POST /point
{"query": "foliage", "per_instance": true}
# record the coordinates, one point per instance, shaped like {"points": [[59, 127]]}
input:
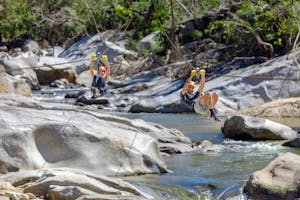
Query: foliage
{"points": [[16, 19], [196, 34], [275, 22]]}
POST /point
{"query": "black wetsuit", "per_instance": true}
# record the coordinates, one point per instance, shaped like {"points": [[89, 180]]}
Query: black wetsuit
{"points": [[190, 99], [98, 82]]}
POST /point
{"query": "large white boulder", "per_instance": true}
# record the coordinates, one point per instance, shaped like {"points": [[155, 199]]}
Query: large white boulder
{"points": [[253, 128], [67, 184], [49, 135], [23, 66], [279, 180]]}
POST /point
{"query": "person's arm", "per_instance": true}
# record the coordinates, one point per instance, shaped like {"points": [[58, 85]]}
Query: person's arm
{"points": [[107, 65], [183, 91], [202, 81], [92, 72], [193, 73]]}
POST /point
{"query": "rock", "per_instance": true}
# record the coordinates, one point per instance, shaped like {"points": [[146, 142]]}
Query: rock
{"points": [[52, 68], [86, 99], [7, 186], [177, 107], [84, 79], [30, 45], [10, 84], [147, 42], [47, 91], [71, 184], [252, 128], [3, 48], [75, 94], [280, 179], [22, 66], [61, 139], [287, 107], [60, 83], [293, 143]]}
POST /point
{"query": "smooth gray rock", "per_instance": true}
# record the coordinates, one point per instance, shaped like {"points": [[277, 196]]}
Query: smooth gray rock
{"points": [[22, 66], [30, 45], [71, 184], [36, 134], [293, 143], [279, 180], [253, 128]]}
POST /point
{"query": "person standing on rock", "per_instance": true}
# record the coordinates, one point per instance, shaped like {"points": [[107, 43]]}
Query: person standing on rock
{"points": [[207, 101], [102, 75]]}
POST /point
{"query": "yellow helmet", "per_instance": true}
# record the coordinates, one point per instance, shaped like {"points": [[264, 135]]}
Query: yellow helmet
{"points": [[192, 83]]}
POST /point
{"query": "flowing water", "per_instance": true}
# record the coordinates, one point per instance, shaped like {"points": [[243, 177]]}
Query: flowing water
{"points": [[207, 175], [202, 175]]}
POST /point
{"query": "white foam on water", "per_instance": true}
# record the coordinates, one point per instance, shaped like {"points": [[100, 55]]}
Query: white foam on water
{"points": [[254, 146]]}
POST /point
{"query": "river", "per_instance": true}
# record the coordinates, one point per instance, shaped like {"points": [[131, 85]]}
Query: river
{"points": [[207, 175], [202, 175]]}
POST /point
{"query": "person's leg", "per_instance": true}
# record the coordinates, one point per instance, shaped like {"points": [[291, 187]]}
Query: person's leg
{"points": [[206, 100], [94, 92], [210, 101], [214, 98]]}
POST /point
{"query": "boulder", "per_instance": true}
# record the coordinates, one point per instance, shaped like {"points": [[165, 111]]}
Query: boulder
{"points": [[252, 128], [30, 45], [86, 99], [68, 136], [293, 143], [286, 107], [80, 52], [84, 79], [70, 184], [10, 84], [22, 66], [52, 68], [59, 83], [74, 94], [280, 179]]}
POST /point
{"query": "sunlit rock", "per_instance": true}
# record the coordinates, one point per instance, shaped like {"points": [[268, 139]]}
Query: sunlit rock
{"points": [[252, 128]]}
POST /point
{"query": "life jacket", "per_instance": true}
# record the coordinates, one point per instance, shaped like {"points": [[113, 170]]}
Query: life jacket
{"points": [[98, 81], [190, 99]]}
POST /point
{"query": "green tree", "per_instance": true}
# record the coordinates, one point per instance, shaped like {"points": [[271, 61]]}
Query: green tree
{"points": [[273, 25], [16, 19]]}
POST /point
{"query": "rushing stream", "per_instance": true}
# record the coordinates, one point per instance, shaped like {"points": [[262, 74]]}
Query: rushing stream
{"points": [[199, 175], [207, 175]]}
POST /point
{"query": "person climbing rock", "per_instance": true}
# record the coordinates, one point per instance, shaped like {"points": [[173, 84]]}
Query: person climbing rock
{"points": [[199, 101]]}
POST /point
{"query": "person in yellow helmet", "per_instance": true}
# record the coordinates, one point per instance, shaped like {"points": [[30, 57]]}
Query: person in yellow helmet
{"points": [[101, 76], [199, 101]]}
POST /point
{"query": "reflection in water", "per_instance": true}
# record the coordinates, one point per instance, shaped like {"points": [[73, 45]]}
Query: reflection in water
{"points": [[206, 175]]}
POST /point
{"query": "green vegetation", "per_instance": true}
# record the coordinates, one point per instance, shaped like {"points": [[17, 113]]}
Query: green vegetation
{"points": [[264, 26], [253, 27]]}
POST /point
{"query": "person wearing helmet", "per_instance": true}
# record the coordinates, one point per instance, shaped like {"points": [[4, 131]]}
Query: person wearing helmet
{"points": [[199, 101], [101, 76]]}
